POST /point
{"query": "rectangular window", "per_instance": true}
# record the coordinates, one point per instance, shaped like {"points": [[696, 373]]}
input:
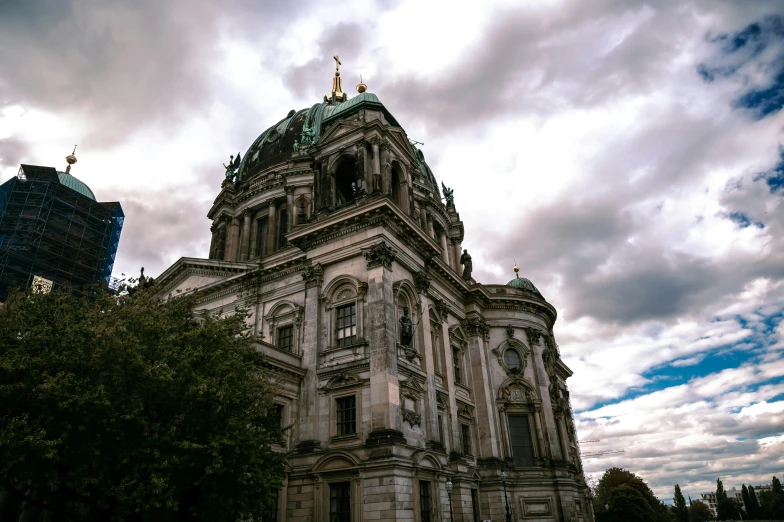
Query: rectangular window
{"points": [[340, 502], [522, 446], [346, 324], [441, 429], [346, 415], [286, 338], [475, 504], [465, 435], [456, 365], [424, 501]]}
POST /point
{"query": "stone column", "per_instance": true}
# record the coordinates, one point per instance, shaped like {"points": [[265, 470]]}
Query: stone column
{"points": [[422, 282], [543, 383], [384, 382], [213, 240], [536, 413], [456, 253], [430, 229], [272, 225], [478, 331], [451, 428], [376, 167], [245, 235], [423, 217], [232, 246], [444, 249], [220, 249], [289, 208], [307, 435], [254, 234]]}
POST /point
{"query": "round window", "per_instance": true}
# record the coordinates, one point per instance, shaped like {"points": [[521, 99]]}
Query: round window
{"points": [[512, 359]]}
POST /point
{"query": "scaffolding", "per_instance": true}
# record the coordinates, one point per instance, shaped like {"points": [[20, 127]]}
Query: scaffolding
{"points": [[53, 232]]}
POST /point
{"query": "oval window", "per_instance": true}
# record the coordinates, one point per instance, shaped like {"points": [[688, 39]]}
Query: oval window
{"points": [[512, 359]]}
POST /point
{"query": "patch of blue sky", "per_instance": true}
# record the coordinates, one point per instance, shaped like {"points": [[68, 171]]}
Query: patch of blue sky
{"points": [[702, 364]]}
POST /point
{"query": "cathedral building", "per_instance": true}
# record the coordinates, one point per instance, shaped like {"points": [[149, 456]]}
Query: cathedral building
{"points": [[412, 391]]}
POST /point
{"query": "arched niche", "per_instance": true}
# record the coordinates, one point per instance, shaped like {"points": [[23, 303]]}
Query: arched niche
{"points": [[344, 171], [406, 299]]}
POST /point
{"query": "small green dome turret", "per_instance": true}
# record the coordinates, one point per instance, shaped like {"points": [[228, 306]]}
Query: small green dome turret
{"points": [[524, 284]]}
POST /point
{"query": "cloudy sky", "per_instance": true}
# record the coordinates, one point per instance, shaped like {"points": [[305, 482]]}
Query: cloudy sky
{"points": [[628, 155]]}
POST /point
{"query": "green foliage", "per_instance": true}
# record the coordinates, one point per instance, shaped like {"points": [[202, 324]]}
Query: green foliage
{"points": [[130, 405], [613, 499], [680, 510], [754, 507], [772, 502], [726, 509], [699, 512]]}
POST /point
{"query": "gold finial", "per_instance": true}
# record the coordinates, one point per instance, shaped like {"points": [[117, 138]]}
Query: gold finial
{"points": [[361, 87], [337, 83], [516, 269], [71, 159]]}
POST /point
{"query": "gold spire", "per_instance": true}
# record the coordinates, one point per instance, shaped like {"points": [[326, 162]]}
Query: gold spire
{"points": [[516, 269], [337, 84], [71, 159]]}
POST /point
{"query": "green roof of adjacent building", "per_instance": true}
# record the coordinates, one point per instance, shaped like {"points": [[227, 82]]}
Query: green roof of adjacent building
{"points": [[74, 184]]}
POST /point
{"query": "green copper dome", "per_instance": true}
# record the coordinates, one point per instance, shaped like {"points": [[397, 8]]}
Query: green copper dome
{"points": [[525, 285], [74, 184]]}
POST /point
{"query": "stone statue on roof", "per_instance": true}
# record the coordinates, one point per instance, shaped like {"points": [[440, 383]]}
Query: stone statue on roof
{"points": [[468, 265], [308, 135], [449, 195]]}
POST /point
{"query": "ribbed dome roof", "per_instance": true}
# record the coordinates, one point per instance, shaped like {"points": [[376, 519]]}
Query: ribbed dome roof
{"points": [[276, 144], [74, 184], [526, 285]]}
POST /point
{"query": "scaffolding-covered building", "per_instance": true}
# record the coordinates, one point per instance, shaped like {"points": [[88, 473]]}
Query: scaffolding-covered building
{"points": [[53, 231]]}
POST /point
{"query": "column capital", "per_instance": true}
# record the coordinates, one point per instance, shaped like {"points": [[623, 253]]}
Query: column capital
{"points": [[422, 281], [313, 275], [380, 254], [476, 327]]}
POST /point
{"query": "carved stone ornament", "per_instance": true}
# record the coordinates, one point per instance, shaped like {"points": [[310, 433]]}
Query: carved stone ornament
{"points": [[533, 334], [422, 281], [476, 328], [465, 411], [411, 354], [517, 392], [442, 309], [413, 418], [379, 254], [509, 331], [313, 274]]}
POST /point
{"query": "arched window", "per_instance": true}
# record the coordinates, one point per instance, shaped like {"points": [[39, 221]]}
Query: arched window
{"points": [[395, 182], [345, 181]]}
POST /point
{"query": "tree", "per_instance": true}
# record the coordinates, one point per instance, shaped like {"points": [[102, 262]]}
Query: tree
{"points": [[726, 509], [754, 504], [128, 406], [680, 510], [772, 502], [746, 500], [605, 497], [699, 512]]}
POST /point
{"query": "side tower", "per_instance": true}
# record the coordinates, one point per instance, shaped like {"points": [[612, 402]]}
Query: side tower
{"points": [[53, 231], [409, 386]]}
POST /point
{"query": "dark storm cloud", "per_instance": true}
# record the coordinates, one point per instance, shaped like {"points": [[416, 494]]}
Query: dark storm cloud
{"points": [[312, 80], [12, 150], [757, 49], [159, 228], [123, 65]]}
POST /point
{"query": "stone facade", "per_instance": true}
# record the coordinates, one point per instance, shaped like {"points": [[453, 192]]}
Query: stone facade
{"points": [[325, 244]]}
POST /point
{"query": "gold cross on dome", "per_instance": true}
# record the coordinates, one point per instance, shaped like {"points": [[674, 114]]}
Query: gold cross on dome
{"points": [[337, 62]]}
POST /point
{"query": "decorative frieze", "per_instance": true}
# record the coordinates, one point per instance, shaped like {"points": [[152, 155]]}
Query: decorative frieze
{"points": [[380, 254]]}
